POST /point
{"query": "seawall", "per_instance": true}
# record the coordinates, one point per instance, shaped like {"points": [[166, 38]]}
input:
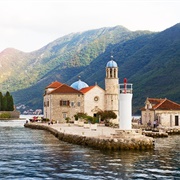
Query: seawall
{"points": [[13, 114], [129, 142]]}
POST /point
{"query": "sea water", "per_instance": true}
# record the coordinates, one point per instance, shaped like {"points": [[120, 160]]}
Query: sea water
{"points": [[36, 154]]}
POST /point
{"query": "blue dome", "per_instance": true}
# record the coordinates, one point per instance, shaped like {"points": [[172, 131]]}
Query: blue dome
{"points": [[79, 85], [112, 64]]}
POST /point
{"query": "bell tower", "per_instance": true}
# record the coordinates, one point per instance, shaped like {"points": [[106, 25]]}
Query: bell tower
{"points": [[111, 87]]}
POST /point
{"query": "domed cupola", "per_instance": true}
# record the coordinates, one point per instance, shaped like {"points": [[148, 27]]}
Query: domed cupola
{"points": [[79, 85], [111, 63], [111, 69]]}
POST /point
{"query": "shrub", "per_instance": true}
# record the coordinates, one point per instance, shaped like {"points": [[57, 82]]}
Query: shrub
{"points": [[5, 115], [45, 120], [91, 119], [107, 115], [80, 116], [68, 119]]}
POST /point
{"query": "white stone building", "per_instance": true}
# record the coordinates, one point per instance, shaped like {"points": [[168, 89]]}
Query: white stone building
{"points": [[62, 101], [165, 112]]}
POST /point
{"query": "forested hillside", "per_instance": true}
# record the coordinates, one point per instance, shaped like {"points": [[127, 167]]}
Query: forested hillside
{"points": [[151, 61]]}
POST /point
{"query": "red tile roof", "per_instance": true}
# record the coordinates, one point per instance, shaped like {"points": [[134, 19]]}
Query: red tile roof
{"points": [[84, 90], [65, 89], [54, 85], [163, 104]]}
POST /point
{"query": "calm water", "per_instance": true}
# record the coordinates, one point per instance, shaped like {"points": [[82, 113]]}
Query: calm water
{"points": [[36, 154]]}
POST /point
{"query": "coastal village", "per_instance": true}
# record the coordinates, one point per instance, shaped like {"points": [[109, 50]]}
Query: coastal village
{"points": [[63, 104]]}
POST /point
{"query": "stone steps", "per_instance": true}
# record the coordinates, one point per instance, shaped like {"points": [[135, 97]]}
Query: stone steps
{"points": [[126, 134]]}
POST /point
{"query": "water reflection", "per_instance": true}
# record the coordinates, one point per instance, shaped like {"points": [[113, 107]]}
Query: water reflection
{"points": [[36, 154]]}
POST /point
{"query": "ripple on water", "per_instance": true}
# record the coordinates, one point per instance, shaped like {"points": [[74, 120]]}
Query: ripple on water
{"points": [[35, 154]]}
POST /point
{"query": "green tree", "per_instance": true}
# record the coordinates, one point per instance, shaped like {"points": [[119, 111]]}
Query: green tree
{"points": [[4, 103], [1, 99], [80, 115], [10, 103], [107, 115], [91, 119]]}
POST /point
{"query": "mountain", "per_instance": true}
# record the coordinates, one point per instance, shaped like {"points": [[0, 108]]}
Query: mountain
{"points": [[148, 60], [20, 70]]}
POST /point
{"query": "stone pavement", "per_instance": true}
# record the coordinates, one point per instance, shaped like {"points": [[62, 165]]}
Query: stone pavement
{"points": [[99, 131]]}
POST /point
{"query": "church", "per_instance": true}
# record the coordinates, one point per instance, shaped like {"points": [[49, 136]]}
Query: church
{"points": [[62, 101]]}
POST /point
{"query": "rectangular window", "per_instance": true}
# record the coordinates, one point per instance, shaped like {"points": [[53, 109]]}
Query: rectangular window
{"points": [[176, 120], [72, 104], [64, 103], [78, 103], [64, 115]]}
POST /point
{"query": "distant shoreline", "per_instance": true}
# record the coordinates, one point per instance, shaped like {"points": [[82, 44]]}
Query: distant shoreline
{"points": [[1, 119]]}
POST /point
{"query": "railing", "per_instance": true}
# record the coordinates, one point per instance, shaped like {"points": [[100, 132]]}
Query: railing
{"points": [[125, 88]]}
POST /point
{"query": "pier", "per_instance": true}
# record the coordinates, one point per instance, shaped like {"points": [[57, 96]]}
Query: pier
{"points": [[103, 138]]}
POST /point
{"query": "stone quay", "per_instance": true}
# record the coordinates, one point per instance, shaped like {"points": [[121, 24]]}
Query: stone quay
{"points": [[99, 137]]}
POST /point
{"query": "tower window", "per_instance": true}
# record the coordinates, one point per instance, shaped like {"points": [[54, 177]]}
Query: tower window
{"points": [[111, 73]]}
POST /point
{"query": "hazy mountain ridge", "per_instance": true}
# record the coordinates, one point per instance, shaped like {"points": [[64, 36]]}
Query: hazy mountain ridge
{"points": [[143, 57], [74, 50]]}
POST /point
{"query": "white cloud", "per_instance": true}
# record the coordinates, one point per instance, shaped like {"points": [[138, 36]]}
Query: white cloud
{"points": [[30, 24]]}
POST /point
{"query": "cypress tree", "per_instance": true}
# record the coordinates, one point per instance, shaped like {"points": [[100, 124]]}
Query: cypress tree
{"points": [[4, 103], [10, 103], [1, 98]]}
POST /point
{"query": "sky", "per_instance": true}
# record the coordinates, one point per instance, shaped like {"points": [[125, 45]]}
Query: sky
{"points": [[28, 25]]}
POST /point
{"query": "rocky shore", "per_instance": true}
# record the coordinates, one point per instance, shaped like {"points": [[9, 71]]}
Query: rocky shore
{"points": [[172, 131], [103, 138], [155, 134], [161, 132]]}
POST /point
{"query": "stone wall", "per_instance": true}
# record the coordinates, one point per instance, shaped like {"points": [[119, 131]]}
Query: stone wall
{"points": [[14, 114], [59, 113], [166, 118], [147, 116], [94, 101]]}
